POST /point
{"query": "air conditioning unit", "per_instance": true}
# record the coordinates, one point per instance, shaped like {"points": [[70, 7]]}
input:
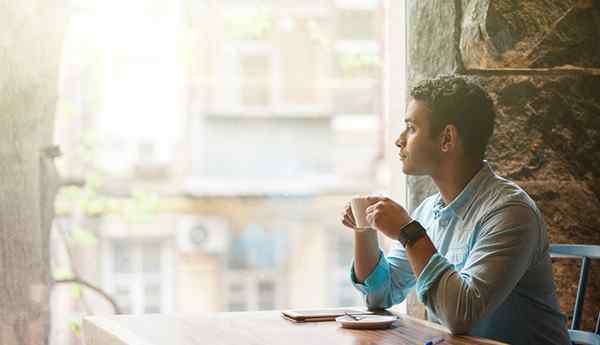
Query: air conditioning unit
{"points": [[207, 235]]}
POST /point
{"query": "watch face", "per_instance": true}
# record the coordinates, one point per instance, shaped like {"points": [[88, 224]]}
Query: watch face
{"points": [[411, 232]]}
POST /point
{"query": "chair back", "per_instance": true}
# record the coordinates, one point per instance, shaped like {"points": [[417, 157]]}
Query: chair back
{"points": [[586, 253]]}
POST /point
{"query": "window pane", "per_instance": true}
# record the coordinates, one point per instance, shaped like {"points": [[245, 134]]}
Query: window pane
{"points": [[300, 60], [152, 298], [122, 297], [122, 258], [237, 306], [151, 257], [266, 295], [255, 76], [237, 297]]}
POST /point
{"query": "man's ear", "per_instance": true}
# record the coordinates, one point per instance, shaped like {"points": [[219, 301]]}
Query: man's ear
{"points": [[449, 138]]}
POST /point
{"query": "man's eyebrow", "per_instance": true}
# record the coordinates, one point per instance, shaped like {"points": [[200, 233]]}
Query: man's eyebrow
{"points": [[407, 120]]}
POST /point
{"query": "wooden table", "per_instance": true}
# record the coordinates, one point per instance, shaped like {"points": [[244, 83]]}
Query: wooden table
{"points": [[255, 328]]}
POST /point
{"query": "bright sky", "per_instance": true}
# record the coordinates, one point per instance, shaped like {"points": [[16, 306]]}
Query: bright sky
{"points": [[142, 78]]}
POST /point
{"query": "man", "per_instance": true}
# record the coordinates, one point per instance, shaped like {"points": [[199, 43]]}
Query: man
{"points": [[477, 251]]}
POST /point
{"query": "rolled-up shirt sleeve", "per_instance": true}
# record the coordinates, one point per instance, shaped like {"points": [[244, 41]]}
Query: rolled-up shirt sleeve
{"points": [[389, 282], [503, 251], [435, 267]]}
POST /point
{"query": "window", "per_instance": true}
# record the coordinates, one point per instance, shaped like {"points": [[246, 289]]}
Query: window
{"points": [[301, 62], [255, 276], [266, 117], [244, 79], [268, 64], [137, 274], [357, 69], [255, 80], [254, 290], [356, 24], [266, 294]]}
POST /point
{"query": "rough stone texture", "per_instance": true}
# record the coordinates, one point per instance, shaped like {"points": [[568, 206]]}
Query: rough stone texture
{"points": [[530, 33], [548, 126], [546, 139], [431, 39], [431, 51]]}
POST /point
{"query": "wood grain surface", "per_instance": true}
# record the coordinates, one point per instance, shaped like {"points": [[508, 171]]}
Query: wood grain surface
{"points": [[256, 328]]}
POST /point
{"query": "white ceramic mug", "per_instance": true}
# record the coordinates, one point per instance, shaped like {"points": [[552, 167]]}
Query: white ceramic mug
{"points": [[359, 206]]}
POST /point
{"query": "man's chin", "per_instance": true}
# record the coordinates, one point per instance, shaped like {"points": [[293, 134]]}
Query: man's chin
{"points": [[408, 170]]}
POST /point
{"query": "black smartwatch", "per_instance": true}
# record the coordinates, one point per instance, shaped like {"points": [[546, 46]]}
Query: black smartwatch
{"points": [[411, 232]]}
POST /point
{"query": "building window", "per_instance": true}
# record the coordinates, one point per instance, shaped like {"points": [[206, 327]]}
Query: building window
{"points": [[244, 79], [301, 63], [356, 24], [137, 275], [255, 73], [266, 294], [254, 272], [254, 290]]}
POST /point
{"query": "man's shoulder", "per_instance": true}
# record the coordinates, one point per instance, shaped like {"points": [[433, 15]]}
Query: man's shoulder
{"points": [[500, 193]]}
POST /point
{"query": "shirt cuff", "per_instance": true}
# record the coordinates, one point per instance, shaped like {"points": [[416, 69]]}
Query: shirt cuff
{"points": [[376, 279], [435, 267]]}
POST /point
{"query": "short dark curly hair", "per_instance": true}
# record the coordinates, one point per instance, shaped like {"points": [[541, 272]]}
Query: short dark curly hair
{"points": [[462, 103]]}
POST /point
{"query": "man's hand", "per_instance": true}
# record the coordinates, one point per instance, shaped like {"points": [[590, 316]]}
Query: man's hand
{"points": [[388, 217], [347, 218]]}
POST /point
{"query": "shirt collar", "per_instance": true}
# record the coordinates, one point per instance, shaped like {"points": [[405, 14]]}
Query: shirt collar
{"points": [[461, 203]]}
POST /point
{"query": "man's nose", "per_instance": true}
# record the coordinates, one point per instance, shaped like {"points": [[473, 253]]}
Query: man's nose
{"points": [[400, 142]]}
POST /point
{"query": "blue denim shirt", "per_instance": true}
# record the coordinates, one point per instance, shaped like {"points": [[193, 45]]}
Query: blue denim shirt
{"points": [[491, 275]]}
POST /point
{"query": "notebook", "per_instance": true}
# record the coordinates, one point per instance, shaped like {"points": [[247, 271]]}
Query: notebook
{"points": [[327, 314]]}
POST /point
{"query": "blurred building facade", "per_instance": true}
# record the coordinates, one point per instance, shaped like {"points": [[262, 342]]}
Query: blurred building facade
{"points": [[274, 122]]}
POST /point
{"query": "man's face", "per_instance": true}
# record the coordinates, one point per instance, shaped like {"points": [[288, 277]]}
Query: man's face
{"points": [[419, 150]]}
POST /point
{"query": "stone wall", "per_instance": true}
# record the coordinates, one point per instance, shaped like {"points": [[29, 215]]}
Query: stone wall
{"points": [[540, 62]]}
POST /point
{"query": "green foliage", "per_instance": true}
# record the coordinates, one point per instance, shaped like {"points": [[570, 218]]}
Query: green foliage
{"points": [[358, 64], [84, 198], [61, 274], [75, 327], [140, 205], [76, 291], [83, 236]]}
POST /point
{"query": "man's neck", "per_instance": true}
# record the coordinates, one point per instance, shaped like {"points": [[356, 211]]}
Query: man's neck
{"points": [[454, 176]]}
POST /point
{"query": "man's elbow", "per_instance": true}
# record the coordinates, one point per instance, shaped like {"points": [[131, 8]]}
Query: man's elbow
{"points": [[377, 302], [458, 327]]}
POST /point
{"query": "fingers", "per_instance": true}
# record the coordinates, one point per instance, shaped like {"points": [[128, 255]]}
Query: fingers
{"points": [[347, 218], [348, 211], [374, 207], [348, 224]]}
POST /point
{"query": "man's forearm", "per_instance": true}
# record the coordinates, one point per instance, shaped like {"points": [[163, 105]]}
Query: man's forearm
{"points": [[366, 253], [419, 254]]}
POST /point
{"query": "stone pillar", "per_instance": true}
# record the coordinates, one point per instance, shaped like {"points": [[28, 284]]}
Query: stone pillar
{"points": [[432, 36], [540, 62]]}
